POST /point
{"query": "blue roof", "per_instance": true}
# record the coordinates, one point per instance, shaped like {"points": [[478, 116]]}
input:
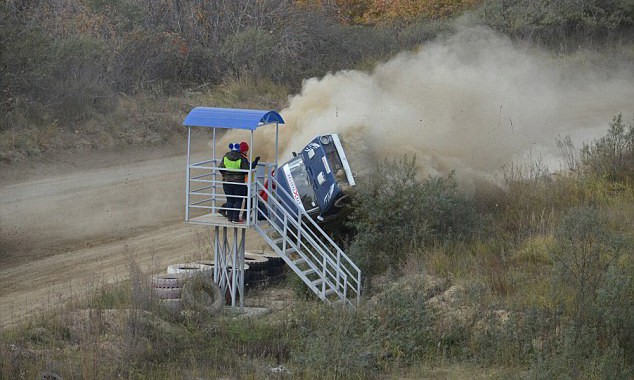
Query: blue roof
{"points": [[231, 118]]}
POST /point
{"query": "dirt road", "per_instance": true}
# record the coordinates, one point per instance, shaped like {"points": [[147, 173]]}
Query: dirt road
{"points": [[74, 223]]}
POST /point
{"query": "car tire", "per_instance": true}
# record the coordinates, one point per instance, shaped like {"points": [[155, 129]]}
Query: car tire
{"points": [[275, 260], [189, 269], [256, 261], [341, 202], [201, 294], [170, 280], [167, 293]]}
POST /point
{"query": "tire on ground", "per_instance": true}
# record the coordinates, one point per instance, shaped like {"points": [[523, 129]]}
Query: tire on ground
{"points": [[167, 293], [256, 261], [339, 203], [201, 294], [189, 269], [170, 280], [206, 265], [273, 258]]}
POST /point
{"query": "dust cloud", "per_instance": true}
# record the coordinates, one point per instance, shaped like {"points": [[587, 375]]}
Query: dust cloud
{"points": [[470, 102]]}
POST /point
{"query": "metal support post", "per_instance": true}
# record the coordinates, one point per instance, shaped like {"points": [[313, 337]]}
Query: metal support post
{"points": [[229, 263], [187, 190]]}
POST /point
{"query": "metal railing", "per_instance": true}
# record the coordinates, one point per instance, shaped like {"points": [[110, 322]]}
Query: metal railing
{"points": [[205, 193], [300, 241], [305, 247]]}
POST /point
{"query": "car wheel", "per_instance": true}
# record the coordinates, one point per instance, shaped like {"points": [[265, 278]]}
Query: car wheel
{"points": [[339, 203], [202, 294]]}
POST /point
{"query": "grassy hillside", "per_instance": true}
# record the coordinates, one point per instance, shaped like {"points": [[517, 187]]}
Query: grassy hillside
{"points": [[88, 74]]}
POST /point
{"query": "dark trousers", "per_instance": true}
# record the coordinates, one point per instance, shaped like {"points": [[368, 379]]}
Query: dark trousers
{"points": [[234, 192]]}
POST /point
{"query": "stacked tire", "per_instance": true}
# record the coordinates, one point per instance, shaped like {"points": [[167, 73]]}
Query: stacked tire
{"points": [[258, 267], [191, 269], [275, 269], [168, 288], [189, 286], [201, 294]]}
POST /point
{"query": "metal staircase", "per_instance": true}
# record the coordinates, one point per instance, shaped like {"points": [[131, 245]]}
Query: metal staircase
{"points": [[304, 246]]}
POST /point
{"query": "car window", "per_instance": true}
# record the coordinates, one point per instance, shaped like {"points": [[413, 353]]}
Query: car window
{"points": [[304, 188], [333, 157]]}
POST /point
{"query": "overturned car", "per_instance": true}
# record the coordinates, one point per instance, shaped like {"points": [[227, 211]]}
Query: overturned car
{"points": [[317, 179]]}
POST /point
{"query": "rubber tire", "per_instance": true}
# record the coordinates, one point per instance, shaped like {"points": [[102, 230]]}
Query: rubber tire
{"points": [[256, 261], [170, 280], [274, 259], [256, 277], [188, 269], [339, 203], [274, 271], [201, 294], [167, 293], [206, 264]]}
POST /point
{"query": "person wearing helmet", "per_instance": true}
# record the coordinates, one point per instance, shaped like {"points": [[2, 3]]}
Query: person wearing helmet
{"points": [[233, 168], [244, 149]]}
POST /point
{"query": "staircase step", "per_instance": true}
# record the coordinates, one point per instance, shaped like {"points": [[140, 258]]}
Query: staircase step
{"points": [[299, 261], [329, 292], [307, 253], [268, 230], [279, 241]]}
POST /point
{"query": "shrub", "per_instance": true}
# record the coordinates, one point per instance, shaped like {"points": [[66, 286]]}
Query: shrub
{"points": [[392, 329], [612, 156], [592, 337], [586, 249], [400, 323], [149, 61], [394, 212], [330, 343], [250, 52], [534, 198], [564, 24]]}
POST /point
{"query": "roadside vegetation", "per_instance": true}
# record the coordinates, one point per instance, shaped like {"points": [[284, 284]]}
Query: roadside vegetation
{"points": [[94, 74]]}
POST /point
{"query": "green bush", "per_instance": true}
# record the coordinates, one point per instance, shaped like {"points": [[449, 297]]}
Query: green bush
{"points": [[400, 324], [393, 329], [395, 212], [612, 156], [586, 250], [592, 335], [564, 24], [534, 199], [251, 52], [330, 343]]}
